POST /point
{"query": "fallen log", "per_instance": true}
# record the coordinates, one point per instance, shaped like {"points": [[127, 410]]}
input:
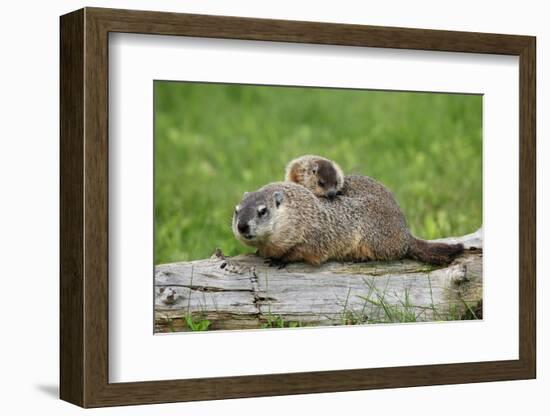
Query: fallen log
{"points": [[243, 292]]}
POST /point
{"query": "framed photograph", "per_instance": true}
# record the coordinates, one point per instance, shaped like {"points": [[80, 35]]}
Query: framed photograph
{"points": [[254, 207]]}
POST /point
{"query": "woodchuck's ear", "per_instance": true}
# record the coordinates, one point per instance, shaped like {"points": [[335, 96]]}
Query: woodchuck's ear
{"points": [[245, 194], [278, 197]]}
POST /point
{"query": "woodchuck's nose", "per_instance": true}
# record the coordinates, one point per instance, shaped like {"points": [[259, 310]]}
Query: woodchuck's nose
{"points": [[242, 227]]}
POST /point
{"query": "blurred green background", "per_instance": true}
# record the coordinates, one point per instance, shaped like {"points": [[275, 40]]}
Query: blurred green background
{"points": [[215, 141]]}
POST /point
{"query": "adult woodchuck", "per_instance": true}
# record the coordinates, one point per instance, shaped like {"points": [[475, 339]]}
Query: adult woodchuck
{"points": [[287, 222]]}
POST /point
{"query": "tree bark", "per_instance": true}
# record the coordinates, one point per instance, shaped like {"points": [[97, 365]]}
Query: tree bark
{"points": [[243, 292]]}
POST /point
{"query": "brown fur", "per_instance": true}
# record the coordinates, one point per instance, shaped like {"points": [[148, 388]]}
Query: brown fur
{"points": [[434, 253]]}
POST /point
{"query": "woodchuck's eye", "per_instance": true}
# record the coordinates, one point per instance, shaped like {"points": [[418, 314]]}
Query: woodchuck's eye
{"points": [[321, 183], [262, 210], [237, 209]]}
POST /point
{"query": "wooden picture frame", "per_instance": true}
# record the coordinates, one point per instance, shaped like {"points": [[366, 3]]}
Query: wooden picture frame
{"points": [[84, 207]]}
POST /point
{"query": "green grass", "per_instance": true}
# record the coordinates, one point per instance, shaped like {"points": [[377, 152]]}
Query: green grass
{"points": [[196, 325], [214, 142]]}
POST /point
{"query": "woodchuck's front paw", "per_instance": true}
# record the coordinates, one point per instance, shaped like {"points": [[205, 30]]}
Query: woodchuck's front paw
{"points": [[279, 263]]}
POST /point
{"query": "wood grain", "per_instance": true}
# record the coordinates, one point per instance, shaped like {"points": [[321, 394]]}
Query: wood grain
{"points": [[72, 367], [84, 279]]}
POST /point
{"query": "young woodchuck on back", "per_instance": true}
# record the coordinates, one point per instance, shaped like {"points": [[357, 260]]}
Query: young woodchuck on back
{"points": [[325, 178], [287, 222], [321, 176]]}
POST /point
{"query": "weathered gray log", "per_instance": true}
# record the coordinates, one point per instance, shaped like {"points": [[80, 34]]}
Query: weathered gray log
{"points": [[243, 292]]}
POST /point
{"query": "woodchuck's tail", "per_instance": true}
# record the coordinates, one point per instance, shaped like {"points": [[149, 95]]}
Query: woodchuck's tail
{"points": [[434, 253]]}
